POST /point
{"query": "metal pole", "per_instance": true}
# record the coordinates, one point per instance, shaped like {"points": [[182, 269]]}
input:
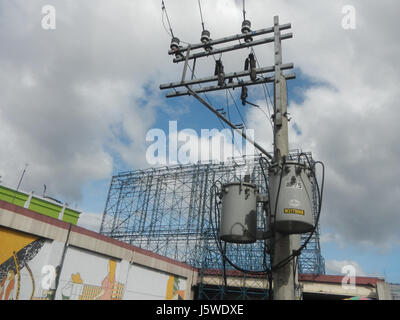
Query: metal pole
{"points": [[19, 183], [284, 277]]}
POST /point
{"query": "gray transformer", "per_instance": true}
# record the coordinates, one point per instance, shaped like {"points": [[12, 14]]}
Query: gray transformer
{"points": [[292, 214], [239, 213]]}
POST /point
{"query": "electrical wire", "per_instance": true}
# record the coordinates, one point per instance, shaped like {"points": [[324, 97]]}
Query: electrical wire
{"points": [[165, 27], [164, 10], [233, 99], [261, 109], [295, 268], [165, 13], [270, 292], [201, 15], [237, 109], [205, 95], [224, 265], [229, 118], [265, 90], [229, 114], [264, 84]]}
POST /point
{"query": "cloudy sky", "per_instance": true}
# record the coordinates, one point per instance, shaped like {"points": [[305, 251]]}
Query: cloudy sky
{"points": [[77, 101]]}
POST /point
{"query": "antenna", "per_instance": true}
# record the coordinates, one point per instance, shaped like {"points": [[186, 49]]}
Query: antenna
{"points": [[19, 183]]}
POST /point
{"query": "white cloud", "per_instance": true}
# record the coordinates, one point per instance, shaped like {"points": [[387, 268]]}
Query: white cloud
{"points": [[91, 221], [348, 116], [75, 98]]}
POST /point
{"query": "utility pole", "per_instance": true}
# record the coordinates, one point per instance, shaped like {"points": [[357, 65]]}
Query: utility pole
{"points": [[284, 278], [283, 244]]}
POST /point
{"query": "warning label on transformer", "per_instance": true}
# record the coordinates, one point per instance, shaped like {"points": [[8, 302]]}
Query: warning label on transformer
{"points": [[293, 211], [294, 184]]}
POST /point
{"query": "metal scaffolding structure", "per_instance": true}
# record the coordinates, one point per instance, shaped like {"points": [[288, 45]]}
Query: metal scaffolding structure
{"points": [[168, 211]]}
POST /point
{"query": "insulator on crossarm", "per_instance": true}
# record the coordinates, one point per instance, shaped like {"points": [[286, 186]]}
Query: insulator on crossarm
{"points": [[246, 64], [253, 74], [219, 71], [243, 95], [174, 43], [205, 36], [246, 28], [175, 47], [205, 39]]}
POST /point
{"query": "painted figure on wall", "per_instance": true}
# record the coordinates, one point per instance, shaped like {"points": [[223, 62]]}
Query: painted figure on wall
{"points": [[17, 249], [110, 289], [7, 286], [173, 289]]}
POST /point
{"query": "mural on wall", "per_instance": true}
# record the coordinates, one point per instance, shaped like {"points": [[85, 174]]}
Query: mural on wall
{"points": [[16, 251], [150, 284], [109, 289], [85, 275], [174, 291]]}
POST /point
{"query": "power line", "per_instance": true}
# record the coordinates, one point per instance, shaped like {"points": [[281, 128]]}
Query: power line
{"points": [[201, 15], [229, 118], [266, 92], [169, 32], [237, 108], [164, 10], [205, 95], [264, 85], [233, 99]]}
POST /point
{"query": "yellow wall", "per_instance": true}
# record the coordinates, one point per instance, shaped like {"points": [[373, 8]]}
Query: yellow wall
{"points": [[12, 241]]}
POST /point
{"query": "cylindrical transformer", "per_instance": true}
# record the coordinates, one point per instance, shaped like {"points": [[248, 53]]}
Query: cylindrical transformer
{"points": [[291, 198], [239, 213]]}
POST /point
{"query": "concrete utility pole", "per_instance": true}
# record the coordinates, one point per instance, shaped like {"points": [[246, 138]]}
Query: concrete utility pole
{"points": [[284, 278]]}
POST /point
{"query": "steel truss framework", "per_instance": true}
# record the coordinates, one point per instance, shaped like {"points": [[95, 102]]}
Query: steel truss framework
{"points": [[168, 211]]}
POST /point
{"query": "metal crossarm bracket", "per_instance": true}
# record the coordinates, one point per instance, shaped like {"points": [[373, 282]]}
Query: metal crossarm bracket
{"points": [[235, 47], [228, 76], [229, 85], [231, 38]]}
